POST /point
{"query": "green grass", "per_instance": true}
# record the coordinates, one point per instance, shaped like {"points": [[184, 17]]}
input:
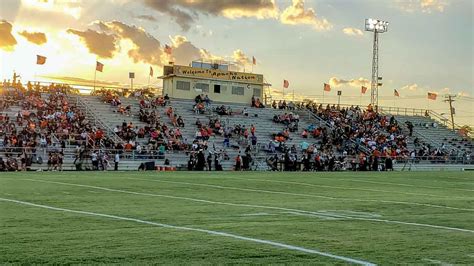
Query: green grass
{"points": [[382, 218]]}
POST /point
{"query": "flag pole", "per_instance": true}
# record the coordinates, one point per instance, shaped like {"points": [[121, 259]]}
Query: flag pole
{"points": [[148, 81], [360, 98], [95, 75]]}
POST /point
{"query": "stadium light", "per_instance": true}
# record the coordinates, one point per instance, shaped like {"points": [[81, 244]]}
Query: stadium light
{"points": [[376, 26]]}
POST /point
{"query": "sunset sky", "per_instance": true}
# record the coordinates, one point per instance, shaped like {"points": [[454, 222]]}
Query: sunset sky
{"points": [[428, 47]]}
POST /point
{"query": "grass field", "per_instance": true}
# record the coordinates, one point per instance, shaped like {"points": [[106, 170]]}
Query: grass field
{"points": [[224, 218]]}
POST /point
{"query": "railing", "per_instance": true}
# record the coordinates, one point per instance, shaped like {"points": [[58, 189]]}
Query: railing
{"points": [[402, 111], [328, 125], [97, 122]]}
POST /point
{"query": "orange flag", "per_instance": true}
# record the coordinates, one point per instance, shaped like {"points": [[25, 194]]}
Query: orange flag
{"points": [[168, 49], [432, 96], [151, 71], [254, 60], [363, 90], [286, 84], [99, 66], [327, 87], [395, 93], [40, 60]]}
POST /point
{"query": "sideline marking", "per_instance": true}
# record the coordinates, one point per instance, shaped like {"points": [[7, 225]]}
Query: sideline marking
{"points": [[218, 233], [304, 195], [253, 206], [348, 188]]}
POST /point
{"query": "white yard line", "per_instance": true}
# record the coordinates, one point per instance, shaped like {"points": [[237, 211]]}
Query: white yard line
{"points": [[436, 262], [211, 232], [257, 214], [251, 206], [404, 185], [347, 188], [324, 217], [304, 195]]}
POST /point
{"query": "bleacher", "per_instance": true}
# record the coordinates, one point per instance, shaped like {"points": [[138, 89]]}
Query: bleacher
{"points": [[261, 118], [432, 132], [103, 115]]}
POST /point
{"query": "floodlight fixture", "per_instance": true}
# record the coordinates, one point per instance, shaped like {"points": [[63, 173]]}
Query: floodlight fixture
{"points": [[376, 25]]}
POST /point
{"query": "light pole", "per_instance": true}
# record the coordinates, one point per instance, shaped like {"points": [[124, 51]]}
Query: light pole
{"points": [[339, 93], [376, 26]]}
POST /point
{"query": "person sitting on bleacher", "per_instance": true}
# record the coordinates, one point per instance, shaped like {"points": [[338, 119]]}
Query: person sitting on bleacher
{"points": [[199, 108], [222, 110], [180, 121]]}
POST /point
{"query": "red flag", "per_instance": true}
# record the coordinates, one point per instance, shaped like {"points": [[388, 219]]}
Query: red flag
{"points": [[327, 87], [286, 84], [363, 90], [395, 93], [168, 49], [432, 96], [99, 66], [151, 71], [40, 60], [254, 60]]}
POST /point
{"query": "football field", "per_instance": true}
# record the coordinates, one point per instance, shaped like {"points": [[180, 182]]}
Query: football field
{"points": [[229, 217]]}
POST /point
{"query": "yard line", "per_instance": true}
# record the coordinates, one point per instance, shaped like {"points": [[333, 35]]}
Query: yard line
{"points": [[437, 262], [304, 195], [405, 185], [211, 232], [348, 188], [251, 205]]}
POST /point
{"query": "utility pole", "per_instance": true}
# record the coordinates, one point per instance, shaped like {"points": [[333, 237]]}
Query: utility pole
{"points": [[449, 99]]}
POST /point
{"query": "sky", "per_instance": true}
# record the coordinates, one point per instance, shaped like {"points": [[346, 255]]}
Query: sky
{"points": [[428, 46]]}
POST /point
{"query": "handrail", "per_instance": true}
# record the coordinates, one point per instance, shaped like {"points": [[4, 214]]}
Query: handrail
{"points": [[110, 133], [314, 116]]}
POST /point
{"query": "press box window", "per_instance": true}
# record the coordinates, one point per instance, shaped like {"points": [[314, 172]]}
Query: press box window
{"points": [[257, 92], [202, 87], [217, 88], [238, 90], [183, 85]]}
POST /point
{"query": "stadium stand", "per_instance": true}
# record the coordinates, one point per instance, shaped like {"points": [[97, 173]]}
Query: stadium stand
{"points": [[54, 128]]}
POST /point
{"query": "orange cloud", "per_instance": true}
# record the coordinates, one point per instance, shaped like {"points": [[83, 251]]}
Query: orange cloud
{"points": [[7, 41], [296, 15], [38, 38], [425, 6], [147, 48], [100, 44], [352, 32], [185, 13]]}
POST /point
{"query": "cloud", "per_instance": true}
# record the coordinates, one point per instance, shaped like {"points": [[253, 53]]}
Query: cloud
{"points": [[147, 17], [336, 82], [7, 41], [38, 38], [352, 32], [147, 48], [100, 44], [70, 8], [185, 12], [241, 58], [425, 6], [184, 52], [296, 15], [412, 87]]}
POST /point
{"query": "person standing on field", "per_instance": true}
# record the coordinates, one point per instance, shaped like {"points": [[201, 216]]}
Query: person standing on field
{"points": [[116, 161]]}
